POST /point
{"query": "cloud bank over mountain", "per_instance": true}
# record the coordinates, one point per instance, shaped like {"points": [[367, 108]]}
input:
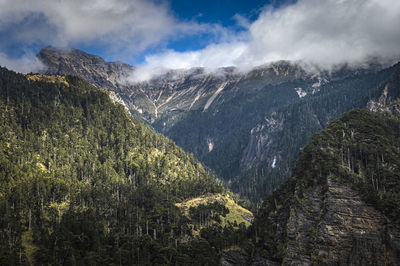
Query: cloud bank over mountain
{"points": [[124, 28], [324, 33]]}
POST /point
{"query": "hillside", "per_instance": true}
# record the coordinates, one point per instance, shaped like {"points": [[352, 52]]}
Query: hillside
{"points": [[83, 182], [341, 205], [246, 127], [284, 132]]}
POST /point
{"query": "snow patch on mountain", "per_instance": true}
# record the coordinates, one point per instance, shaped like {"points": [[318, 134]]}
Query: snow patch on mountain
{"points": [[273, 165], [210, 144], [300, 92]]}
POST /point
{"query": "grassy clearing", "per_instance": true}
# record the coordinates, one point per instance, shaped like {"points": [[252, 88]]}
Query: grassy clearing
{"points": [[237, 214]]}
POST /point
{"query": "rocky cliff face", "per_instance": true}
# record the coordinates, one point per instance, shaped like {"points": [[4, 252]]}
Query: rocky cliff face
{"points": [[247, 127], [262, 141], [340, 207], [333, 225], [169, 96], [388, 99]]}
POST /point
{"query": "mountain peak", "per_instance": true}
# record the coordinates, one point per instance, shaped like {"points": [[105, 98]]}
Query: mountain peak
{"points": [[92, 68], [67, 52]]}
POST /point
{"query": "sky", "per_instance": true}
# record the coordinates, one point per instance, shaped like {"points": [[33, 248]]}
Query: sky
{"points": [[173, 34]]}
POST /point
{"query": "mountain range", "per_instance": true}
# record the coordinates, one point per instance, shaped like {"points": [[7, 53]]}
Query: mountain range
{"points": [[84, 178], [248, 128]]}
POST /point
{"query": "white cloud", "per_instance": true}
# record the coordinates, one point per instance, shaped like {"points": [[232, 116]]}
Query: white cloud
{"points": [[325, 33], [127, 23], [124, 28], [210, 58], [25, 64]]}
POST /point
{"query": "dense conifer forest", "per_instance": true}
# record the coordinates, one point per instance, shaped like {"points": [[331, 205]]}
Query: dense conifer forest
{"points": [[361, 151], [82, 182]]}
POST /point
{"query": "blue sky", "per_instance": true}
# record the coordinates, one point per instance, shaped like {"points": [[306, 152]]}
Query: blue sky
{"points": [[219, 12], [163, 34]]}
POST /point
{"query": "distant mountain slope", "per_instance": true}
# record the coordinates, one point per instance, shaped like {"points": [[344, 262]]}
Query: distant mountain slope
{"points": [[248, 128], [82, 182], [341, 205], [275, 142]]}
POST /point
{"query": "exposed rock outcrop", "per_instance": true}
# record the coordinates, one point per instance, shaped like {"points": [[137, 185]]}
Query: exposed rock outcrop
{"points": [[341, 205], [333, 225]]}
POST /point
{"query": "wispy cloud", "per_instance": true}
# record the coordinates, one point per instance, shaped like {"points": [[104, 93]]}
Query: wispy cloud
{"points": [[123, 28], [324, 33], [130, 23], [27, 63]]}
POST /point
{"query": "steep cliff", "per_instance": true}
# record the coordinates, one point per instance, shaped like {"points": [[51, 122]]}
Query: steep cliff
{"points": [[341, 205], [276, 140]]}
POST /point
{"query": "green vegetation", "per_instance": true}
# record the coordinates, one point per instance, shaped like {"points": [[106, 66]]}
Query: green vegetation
{"points": [[82, 182], [244, 105], [361, 150], [300, 120], [208, 209], [234, 136], [47, 78]]}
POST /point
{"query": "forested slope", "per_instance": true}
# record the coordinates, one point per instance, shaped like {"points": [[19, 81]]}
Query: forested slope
{"points": [[283, 132], [82, 182], [342, 204]]}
